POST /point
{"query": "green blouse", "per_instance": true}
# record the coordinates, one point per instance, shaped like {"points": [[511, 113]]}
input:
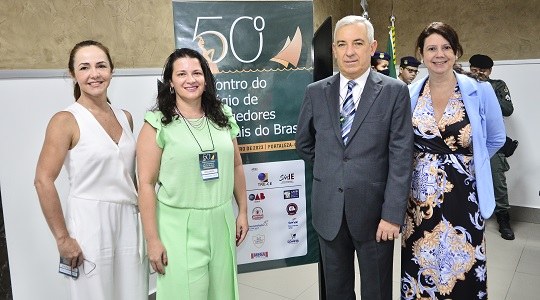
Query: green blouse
{"points": [[180, 181]]}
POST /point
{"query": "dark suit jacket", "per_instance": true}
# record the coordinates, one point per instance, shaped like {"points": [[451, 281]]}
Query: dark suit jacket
{"points": [[368, 179]]}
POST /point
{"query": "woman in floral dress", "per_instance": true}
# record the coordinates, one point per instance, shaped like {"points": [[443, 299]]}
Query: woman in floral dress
{"points": [[458, 126]]}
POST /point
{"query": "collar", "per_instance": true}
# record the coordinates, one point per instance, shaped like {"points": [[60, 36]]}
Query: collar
{"points": [[466, 84], [360, 81]]}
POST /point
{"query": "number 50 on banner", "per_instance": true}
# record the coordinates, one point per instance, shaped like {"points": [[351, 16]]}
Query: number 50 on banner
{"points": [[258, 25]]}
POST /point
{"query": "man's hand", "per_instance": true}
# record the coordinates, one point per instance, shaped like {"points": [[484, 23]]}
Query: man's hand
{"points": [[387, 231]]}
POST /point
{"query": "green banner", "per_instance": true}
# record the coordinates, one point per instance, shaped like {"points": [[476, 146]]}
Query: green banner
{"points": [[260, 53]]}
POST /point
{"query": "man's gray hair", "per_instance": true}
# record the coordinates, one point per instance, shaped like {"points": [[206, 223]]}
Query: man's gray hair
{"points": [[352, 19]]}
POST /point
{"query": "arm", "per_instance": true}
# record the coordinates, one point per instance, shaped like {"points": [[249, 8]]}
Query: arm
{"points": [[400, 154], [61, 135], [148, 164], [305, 132], [240, 196], [505, 101], [493, 122]]}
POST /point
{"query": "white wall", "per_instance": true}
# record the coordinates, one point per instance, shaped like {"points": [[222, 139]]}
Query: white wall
{"points": [[523, 125], [28, 103]]}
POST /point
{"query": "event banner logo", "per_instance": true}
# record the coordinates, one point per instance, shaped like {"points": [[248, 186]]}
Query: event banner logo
{"points": [[260, 55], [278, 223]]}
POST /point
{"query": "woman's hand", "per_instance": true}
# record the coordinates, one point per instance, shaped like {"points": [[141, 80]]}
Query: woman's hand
{"points": [[157, 255], [70, 250], [242, 228]]}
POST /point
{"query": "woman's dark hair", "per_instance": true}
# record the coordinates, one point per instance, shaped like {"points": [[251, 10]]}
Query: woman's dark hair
{"points": [[166, 101], [446, 31], [71, 67]]}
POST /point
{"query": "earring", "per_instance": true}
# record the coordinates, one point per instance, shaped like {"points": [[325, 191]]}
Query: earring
{"points": [[171, 89]]}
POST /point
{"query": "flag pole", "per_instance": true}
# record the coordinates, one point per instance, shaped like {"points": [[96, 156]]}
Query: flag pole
{"points": [[391, 45]]}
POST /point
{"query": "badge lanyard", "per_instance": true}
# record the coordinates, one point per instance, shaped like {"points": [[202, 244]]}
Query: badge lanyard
{"points": [[208, 161], [197, 141]]}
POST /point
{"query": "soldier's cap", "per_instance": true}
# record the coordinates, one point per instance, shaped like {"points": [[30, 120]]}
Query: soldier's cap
{"points": [[481, 61], [381, 55], [409, 61]]}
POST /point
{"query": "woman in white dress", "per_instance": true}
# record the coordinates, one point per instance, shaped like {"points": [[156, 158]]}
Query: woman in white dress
{"points": [[98, 238]]}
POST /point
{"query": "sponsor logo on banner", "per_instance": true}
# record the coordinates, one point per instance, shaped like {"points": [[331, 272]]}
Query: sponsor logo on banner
{"points": [[293, 239], [256, 197], [293, 223], [257, 213], [291, 194], [259, 254], [258, 240], [286, 178], [292, 208], [255, 227], [263, 179]]}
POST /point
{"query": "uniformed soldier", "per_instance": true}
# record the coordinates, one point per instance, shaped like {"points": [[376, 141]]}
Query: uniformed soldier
{"points": [[380, 62], [499, 165], [408, 69]]}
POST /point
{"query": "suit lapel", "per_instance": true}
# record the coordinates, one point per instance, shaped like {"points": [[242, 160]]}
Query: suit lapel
{"points": [[332, 100], [369, 94]]}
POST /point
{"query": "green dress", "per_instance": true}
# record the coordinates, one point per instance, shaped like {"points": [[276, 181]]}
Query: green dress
{"points": [[195, 217]]}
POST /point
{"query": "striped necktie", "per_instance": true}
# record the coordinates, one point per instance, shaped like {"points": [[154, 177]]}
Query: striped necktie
{"points": [[347, 112]]}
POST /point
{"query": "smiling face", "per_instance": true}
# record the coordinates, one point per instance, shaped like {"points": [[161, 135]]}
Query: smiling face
{"points": [[188, 79], [92, 71], [438, 55], [352, 50]]}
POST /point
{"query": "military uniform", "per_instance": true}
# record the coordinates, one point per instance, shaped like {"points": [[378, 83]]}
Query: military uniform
{"points": [[499, 165]]}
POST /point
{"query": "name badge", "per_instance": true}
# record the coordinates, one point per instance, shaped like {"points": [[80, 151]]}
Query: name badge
{"points": [[208, 163]]}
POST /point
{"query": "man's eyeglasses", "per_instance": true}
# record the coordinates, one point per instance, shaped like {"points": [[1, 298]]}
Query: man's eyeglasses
{"points": [[414, 71]]}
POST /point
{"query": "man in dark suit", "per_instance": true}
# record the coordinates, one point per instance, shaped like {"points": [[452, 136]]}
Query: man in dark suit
{"points": [[359, 138]]}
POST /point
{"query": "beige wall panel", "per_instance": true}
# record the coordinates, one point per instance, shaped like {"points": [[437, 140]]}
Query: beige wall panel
{"points": [[322, 9], [38, 34], [505, 30]]}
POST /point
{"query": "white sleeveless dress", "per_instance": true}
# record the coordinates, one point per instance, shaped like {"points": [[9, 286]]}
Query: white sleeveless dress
{"points": [[101, 211]]}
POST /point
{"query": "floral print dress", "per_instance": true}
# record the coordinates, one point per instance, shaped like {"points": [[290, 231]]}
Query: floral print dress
{"points": [[443, 245]]}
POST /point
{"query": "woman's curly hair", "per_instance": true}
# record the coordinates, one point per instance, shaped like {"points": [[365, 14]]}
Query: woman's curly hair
{"points": [[166, 101]]}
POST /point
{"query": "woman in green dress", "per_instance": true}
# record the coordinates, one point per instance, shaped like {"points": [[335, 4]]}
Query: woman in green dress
{"points": [[188, 148]]}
